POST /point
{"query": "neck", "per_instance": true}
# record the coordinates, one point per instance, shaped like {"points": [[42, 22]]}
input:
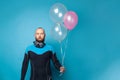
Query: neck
{"points": [[39, 44]]}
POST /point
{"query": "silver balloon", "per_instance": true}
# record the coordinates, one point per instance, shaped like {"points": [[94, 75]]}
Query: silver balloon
{"points": [[59, 32], [57, 12]]}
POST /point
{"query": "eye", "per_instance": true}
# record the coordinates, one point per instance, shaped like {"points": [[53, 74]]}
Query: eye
{"points": [[42, 33]]}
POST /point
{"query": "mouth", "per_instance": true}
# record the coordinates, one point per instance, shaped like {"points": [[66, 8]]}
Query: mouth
{"points": [[39, 37]]}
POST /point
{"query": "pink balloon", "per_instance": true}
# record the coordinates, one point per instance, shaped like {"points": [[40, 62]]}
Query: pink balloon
{"points": [[70, 20]]}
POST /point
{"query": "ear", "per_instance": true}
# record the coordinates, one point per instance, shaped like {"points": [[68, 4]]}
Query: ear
{"points": [[45, 35]]}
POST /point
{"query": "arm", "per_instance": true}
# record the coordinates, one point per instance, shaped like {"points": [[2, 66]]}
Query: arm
{"points": [[56, 61], [24, 66]]}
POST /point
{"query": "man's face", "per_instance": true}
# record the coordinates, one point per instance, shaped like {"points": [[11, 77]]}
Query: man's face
{"points": [[39, 35]]}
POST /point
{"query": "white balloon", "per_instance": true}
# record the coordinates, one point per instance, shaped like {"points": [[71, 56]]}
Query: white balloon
{"points": [[59, 32], [57, 12]]}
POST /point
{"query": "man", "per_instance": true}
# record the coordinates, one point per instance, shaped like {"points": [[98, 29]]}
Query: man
{"points": [[39, 54]]}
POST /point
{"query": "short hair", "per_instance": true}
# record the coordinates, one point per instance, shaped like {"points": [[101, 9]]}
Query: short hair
{"points": [[40, 28]]}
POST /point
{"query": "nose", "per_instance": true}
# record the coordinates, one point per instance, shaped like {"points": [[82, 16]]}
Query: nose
{"points": [[39, 35]]}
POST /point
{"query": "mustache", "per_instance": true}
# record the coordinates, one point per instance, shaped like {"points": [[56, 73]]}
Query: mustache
{"points": [[37, 39]]}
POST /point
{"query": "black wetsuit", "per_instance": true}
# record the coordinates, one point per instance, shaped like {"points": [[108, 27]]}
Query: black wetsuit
{"points": [[39, 58]]}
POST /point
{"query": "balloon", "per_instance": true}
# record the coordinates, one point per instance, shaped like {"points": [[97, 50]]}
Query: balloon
{"points": [[70, 20], [57, 12], [59, 32]]}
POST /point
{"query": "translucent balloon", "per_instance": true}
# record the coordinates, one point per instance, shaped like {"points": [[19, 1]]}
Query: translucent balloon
{"points": [[59, 32], [57, 12]]}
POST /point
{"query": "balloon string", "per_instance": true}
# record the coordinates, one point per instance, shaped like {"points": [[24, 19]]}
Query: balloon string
{"points": [[61, 51], [63, 54], [66, 42]]}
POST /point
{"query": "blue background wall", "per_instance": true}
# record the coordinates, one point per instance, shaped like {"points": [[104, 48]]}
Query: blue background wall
{"points": [[93, 49]]}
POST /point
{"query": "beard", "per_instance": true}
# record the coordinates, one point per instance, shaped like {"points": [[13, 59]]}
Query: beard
{"points": [[42, 40]]}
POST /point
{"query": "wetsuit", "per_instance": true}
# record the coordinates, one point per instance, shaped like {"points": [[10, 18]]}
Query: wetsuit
{"points": [[39, 57]]}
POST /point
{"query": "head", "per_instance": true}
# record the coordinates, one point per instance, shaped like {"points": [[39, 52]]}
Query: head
{"points": [[40, 34]]}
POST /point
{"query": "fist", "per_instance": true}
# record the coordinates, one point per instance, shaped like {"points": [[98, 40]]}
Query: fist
{"points": [[62, 69]]}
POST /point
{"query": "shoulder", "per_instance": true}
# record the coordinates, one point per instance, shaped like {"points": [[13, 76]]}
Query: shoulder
{"points": [[29, 48], [50, 47]]}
